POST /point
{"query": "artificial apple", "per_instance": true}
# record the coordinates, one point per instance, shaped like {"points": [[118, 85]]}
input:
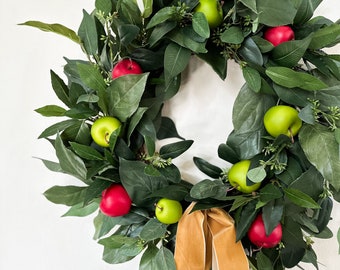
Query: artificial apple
{"points": [[282, 119], [115, 201], [126, 66], [102, 129], [279, 34], [212, 10], [237, 176], [168, 211], [257, 234]]}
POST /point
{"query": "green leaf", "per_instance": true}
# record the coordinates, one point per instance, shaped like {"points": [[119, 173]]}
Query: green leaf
{"points": [[60, 88], [289, 53], [57, 127], [257, 174], [52, 166], [147, 261], [275, 13], [226, 153], [250, 4], [208, 189], [247, 215], [263, 262], [54, 28], [189, 39], [86, 152], [81, 210], [325, 37], [164, 14], [95, 189], [290, 79], [322, 150], [305, 11], [160, 31], [174, 150], [167, 129], [338, 237], [232, 35], [51, 110], [139, 185], [294, 245], [300, 198], [165, 259], [67, 195], [88, 33], [207, 168], [127, 33], [69, 161], [200, 24], [172, 192], [104, 6], [124, 95], [251, 52], [148, 4], [272, 214], [253, 78], [135, 119], [270, 192], [152, 230], [176, 58], [91, 77]]}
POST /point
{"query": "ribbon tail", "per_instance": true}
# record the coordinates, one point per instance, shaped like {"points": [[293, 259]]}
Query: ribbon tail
{"points": [[191, 251], [227, 253]]}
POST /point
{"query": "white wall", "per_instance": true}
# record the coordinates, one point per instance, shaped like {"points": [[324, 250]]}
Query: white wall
{"points": [[32, 233]]}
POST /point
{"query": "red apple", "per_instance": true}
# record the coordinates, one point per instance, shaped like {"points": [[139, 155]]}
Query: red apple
{"points": [[257, 234], [115, 201], [279, 34], [126, 66]]}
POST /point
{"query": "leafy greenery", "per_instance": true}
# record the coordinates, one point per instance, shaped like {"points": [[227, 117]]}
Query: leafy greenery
{"points": [[299, 177]]}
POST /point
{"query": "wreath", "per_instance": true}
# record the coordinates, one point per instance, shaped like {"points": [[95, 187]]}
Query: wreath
{"points": [[261, 212]]}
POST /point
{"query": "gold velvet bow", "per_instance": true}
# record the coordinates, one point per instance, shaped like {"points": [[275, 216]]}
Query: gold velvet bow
{"points": [[206, 240]]}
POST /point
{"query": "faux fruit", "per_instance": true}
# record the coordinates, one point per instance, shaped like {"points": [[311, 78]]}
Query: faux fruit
{"points": [[168, 211], [282, 119], [102, 129], [257, 234], [212, 10], [237, 176], [126, 66], [115, 201], [279, 34]]}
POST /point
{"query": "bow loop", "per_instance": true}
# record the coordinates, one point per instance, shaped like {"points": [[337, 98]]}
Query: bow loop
{"points": [[206, 240]]}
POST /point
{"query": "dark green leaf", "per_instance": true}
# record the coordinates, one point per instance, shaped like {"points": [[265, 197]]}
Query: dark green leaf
{"points": [[67, 195], [127, 33], [208, 189], [272, 214], [263, 262], [95, 189], [172, 192], [226, 153], [54, 28], [167, 129], [164, 14], [104, 6], [207, 168], [174, 150], [251, 53], [248, 214]]}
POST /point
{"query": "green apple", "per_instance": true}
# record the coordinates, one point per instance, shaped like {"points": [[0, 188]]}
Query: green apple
{"points": [[102, 129], [212, 10], [168, 211], [282, 119], [237, 176]]}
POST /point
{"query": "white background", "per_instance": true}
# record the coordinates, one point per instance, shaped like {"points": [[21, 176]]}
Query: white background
{"points": [[32, 233]]}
